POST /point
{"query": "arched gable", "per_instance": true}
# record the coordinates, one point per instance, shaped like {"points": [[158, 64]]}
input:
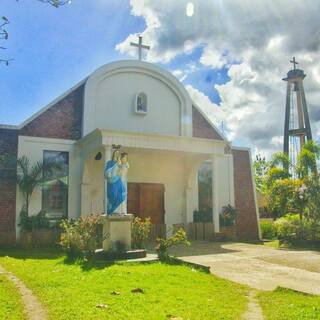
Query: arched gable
{"points": [[110, 95]]}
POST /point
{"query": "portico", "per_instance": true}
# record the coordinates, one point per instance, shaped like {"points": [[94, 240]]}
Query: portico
{"points": [[172, 161]]}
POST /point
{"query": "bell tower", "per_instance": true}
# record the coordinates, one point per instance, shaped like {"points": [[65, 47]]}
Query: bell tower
{"points": [[297, 128]]}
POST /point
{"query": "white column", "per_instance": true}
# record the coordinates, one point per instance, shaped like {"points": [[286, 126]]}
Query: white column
{"points": [[215, 195], [107, 155]]}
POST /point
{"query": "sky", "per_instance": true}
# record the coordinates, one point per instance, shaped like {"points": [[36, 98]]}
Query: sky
{"points": [[231, 55]]}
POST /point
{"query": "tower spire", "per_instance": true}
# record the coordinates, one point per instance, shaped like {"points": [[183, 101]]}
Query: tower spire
{"points": [[297, 129]]}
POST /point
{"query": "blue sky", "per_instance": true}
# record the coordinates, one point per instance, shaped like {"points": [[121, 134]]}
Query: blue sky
{"points": [[231, 55], [53, 49]]}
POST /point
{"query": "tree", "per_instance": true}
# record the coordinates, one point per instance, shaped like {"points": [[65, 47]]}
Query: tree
{"points": [[29, 177], [260, 167], [4, 35], [307, 160]]}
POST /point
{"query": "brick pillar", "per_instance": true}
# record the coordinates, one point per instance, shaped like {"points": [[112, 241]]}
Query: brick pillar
{"points": [[8, 167], [247, 226]]}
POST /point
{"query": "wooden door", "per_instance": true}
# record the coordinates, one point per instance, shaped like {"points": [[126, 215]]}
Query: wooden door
{"points": [[147, 200]]}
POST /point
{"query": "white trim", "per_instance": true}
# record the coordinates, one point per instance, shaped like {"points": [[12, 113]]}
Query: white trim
{"points": [[46, 140], [98, 138], [241, 149], [222, 136]]}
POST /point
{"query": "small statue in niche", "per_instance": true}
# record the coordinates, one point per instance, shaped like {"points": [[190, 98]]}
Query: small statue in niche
{"points": [[141, 103]]}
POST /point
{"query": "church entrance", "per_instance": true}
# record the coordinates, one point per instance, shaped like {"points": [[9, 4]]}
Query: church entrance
{"points": [[146, 200]]}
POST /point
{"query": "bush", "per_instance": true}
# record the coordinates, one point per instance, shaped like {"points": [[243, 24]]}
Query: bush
{"points": [[30, 223], [228, 216], [202, 215], [180, 237], [81, 237], [288, 227], [140, 232], [268, 229], [291, 227]]}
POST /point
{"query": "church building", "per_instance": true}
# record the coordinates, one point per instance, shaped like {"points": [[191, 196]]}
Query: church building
{"points": [[146, 111]]}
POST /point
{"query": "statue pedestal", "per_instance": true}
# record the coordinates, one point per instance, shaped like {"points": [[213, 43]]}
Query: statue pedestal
{"points": [[117, 232]]}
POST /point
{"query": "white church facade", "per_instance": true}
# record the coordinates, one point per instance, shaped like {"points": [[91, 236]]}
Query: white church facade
{"points": [[148, 112]]}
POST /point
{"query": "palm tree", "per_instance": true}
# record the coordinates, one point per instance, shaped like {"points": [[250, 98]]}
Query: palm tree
{"points": [[307, 160], [30, 176]]}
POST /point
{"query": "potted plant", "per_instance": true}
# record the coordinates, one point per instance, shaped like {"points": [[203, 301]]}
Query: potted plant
{"points": [[29, 177]]}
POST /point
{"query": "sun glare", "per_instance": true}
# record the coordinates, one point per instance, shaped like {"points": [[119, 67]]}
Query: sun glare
{"points": [[190, 9]]}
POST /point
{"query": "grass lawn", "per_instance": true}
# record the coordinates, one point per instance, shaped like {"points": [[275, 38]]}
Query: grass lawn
{"points": [[283, 304], [70, 291], [11, 307]]}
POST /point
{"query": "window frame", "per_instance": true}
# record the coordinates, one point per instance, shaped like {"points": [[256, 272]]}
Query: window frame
{"points": [[48, 214]]}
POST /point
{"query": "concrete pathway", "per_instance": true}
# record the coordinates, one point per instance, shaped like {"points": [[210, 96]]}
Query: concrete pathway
{"points": [[33, 308], [257, 266]]}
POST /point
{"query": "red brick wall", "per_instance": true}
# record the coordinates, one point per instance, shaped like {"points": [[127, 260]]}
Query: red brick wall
{"points": [[62, 121], [8, 157], [247, 223], [201, 127]]}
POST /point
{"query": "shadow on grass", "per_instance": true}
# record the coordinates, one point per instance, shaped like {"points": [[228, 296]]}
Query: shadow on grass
{"points": [[196, 248], [87, 264], [32, 253]]}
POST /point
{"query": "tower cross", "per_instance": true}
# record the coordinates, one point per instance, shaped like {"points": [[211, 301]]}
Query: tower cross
{"points": [[140, 46], [293, 61]]}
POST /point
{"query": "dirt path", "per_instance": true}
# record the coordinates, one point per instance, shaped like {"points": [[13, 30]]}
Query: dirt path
{"points": [[33, 308], [254, 311]]}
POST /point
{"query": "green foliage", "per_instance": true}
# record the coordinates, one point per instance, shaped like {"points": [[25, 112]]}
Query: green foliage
{"points": [[292, 227], [30, 176], [282, 304], [279, 197], [288, 227], [307, 160], [30, 223], [228, 216], [163, 245], [140, 232], [204, 215], [81, 237], [11, 306], [260, 167], [268, 229]]}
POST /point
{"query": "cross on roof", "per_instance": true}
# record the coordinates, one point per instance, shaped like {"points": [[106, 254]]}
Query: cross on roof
{"points": [[140, 46], [293, 61]]}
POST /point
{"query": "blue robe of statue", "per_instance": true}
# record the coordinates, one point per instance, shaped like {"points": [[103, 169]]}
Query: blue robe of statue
{"points": [[116, 191]]}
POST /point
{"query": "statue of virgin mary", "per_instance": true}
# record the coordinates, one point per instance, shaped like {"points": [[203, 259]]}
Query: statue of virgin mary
{"points": [[116, 190]]}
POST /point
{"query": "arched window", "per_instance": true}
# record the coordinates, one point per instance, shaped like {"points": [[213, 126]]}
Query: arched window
{"points": [[141, 103]]}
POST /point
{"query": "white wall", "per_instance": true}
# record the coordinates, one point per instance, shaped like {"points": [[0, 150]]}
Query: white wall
{"points": [[148, 167], [33, 148], [110, 94]]}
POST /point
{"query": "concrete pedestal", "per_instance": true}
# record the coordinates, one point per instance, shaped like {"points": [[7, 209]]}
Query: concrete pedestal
{"points": [[117, 232]]}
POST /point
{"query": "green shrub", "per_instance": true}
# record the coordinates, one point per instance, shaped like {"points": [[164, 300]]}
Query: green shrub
{"points": [[29, 223], [163, 245], [288, 227], [228, 216], [81, 237], [140, 232], [292, 227], [268, 229]]}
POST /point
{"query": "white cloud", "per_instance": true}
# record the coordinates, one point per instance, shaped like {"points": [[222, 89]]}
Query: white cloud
{"points": [[254, 40]]}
